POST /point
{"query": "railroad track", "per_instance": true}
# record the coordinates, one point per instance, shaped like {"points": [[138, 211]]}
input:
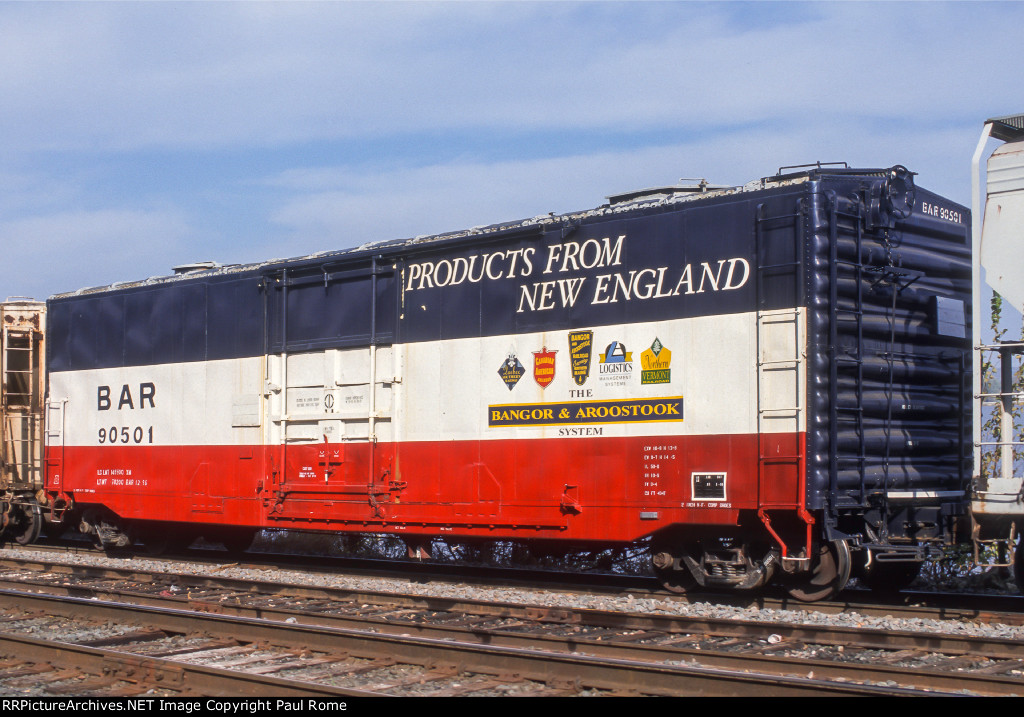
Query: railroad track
{"points": [[701, 655], [195, 652]]}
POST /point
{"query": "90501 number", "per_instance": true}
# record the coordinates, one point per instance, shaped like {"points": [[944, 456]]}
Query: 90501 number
{"points": [[126, 434]]}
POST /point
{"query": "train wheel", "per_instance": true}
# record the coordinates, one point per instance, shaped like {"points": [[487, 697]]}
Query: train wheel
{"points": [[28, 529], [670, 569], [679, 582], [890, 576], [828, 576]]}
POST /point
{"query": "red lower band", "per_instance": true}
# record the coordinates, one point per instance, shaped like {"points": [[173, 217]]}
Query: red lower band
{"points": [[574, 487]]}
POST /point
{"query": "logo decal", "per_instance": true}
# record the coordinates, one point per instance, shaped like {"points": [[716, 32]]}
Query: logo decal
{"points": [[616, 364], [655, 362], [616, 353], [544, 367], [580, 345], [511, 370]]}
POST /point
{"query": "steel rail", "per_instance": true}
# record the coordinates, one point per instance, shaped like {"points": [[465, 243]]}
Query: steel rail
{"points": [[180, 677], [622, 675], [605, 647], [997, 648]]}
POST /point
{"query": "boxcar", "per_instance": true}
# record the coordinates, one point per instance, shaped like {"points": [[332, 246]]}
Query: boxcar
{"points": [[766, 381], [998, 495], [22, 386]]}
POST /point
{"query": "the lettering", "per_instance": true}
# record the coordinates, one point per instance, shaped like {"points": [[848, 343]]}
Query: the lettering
{"points": [[591, 254], [573, 257], [638, 410], [578, 432], [146, 394], [521, 415], [934, 210], [541, 296], [473, 269]]}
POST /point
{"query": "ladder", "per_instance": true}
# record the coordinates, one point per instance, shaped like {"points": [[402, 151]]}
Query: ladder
{"points": [[781, 365], [846, 321], [19, 406]]}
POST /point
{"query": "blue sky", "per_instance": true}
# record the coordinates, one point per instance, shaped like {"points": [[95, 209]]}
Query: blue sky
{"points": [[138, 136]]}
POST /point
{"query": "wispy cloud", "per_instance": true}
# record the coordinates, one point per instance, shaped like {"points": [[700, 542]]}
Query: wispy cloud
{"points": [[122, 77]]}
